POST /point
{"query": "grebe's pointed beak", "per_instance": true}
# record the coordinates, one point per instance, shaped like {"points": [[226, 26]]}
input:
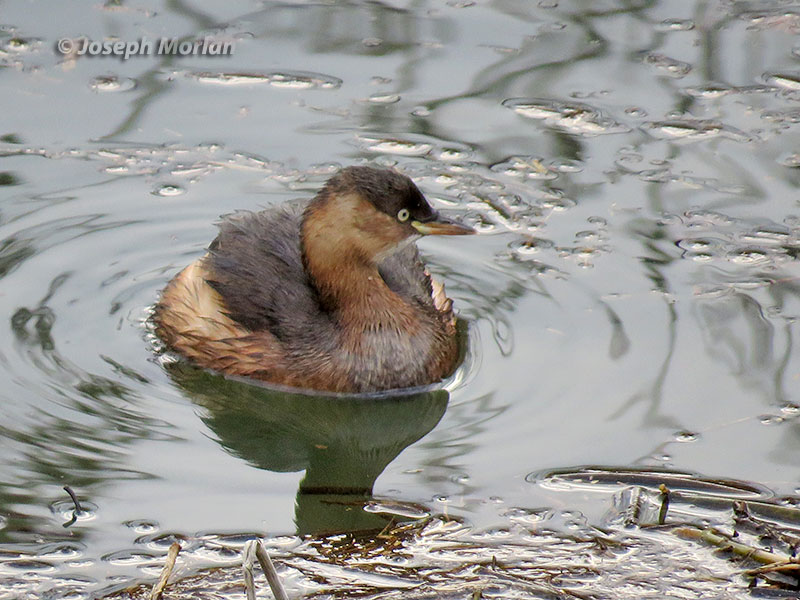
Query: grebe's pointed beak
{"points": [[440, 225]]}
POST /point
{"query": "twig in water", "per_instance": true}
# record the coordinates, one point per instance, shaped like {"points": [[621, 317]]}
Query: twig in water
{"points": [[78, 509], [248, 559], [71, 521], [714, 538], [158, 588], [662, 513], [782, 567], [383, 534], [272, 575]]}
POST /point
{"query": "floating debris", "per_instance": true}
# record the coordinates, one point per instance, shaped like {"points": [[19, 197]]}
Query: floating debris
{"points": [[384, 98], [112, 83], [709, 91], [529, 246], [649, 534], [686, 128], [779, 19], [675, 25], [405, 510], [527, 167], [573, 117], [787, 81], [282, 79], [635, 112], [667, 66], [18, 45], [694, 130], [168, 190], [394, 146], [711, 236]]}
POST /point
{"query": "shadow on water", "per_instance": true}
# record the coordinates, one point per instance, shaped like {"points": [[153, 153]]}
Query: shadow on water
{"points": [[343, 443]]}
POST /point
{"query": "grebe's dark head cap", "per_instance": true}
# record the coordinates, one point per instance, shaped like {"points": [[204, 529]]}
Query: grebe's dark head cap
{"points": [[393, 194], [386, 189]]}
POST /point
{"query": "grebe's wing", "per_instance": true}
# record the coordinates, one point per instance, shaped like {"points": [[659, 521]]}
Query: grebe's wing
{"points": [[255, 264], [405, 273]]}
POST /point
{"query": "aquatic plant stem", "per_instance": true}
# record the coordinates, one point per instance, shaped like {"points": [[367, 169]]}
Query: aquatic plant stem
{"points": [[248, 560], [158, 588], [78, 508], [269, 570], [662, 513], [713, 537]]}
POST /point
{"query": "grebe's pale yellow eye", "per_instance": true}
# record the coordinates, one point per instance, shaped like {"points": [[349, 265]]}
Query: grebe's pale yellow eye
{"points": [[402, 215]]}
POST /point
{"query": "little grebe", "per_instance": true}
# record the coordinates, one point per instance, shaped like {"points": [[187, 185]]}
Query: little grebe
{"points": [[326, 294]]}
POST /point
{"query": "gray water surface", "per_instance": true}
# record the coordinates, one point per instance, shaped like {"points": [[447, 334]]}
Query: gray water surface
{"points": [[632, 300]]}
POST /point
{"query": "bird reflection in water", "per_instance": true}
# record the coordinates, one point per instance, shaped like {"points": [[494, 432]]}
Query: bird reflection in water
{"points": [[343, 442]]}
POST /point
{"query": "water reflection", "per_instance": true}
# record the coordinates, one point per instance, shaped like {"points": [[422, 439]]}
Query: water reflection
{"points": [[634, 298], [79, 437], [343, 443]]}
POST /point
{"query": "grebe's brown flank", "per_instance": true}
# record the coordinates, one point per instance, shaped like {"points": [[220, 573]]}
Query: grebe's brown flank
{"points": [[327, 294]]}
